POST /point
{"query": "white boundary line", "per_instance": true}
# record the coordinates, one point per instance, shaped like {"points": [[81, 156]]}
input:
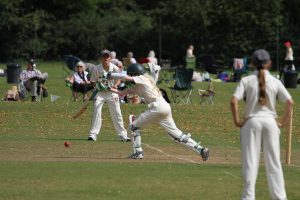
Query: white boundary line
{"points": [[293, 166], [226, 172], [168, 155]]}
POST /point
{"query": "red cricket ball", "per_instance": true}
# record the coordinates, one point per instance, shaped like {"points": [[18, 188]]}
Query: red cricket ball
{"points": [[67, 144]]}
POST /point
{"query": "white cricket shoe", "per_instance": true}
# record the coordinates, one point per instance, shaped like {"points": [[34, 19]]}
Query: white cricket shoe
{"points": [[125, 139], [204, 153], [92, 138]]}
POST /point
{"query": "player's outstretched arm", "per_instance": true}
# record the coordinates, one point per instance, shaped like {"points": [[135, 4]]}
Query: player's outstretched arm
{"points": [[121, 92]]}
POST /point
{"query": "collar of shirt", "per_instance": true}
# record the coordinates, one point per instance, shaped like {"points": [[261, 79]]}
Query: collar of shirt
{"points": [[267, 74]]}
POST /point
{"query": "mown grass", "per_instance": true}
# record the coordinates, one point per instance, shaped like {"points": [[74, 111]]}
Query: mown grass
{"points": [[34, 164]]}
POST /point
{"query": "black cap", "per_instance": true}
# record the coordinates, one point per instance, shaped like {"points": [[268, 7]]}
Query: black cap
{"points": [[260, 57], [136, 69], [104, 52], [31, 61]]}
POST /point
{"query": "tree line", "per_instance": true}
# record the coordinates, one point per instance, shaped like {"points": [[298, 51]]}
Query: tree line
{"points": [[49, 29]]}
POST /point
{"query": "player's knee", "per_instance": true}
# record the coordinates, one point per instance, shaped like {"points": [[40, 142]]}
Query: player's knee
{"points": [[184, 137], [136, 132]]}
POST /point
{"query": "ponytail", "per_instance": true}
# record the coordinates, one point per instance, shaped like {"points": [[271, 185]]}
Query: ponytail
{"points": [[262, 100]]}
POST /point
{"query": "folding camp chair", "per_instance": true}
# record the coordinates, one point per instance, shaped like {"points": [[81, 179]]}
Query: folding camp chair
{"points": [[71, 62], [165, 70], [25, 93], [207, 95], [190, 63], [182, 89]]}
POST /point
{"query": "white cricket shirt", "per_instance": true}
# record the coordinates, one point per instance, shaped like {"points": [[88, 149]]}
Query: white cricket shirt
{"points": [[248, 88], [146, 89], [99, 74]]}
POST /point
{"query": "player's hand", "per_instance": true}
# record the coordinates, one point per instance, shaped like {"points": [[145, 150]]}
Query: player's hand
{"points": [[279, 124], [240, 123], [108, 76]]}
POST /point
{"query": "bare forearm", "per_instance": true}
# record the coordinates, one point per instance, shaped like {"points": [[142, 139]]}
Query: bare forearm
{"points": [[235, 111], [115, 90], [117, 83], [288, 110]]}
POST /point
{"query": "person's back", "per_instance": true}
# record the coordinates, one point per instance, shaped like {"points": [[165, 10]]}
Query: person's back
{"points": [[259, 130], [274, 89]]}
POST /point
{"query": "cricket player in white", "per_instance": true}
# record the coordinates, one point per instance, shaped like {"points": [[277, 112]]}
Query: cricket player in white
{"points": [[260, 128], [99, 79], [159, 111]]}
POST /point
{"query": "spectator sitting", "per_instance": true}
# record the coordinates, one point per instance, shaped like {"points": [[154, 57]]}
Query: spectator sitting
{"points": [[32, 80], [151, 57], [132, 59], [114, 60], [80, 82]]}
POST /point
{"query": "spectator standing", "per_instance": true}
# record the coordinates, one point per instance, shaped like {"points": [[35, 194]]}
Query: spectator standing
{"points": [[151, 57], [289, 58], [190, 51]]}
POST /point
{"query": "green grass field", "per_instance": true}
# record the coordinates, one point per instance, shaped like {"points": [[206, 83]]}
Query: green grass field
{"points": [[34, 164]]}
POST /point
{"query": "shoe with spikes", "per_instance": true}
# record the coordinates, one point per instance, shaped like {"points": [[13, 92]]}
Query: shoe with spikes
{"points": [[137, 155], [204, 153], [125, 139]]}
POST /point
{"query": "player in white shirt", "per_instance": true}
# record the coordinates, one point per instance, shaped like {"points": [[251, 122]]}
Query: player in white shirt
{"points": [[159, 111], [260, 128], [99, 79]]}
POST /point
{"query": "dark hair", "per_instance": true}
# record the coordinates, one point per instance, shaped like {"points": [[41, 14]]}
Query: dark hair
{"points": [[262, 99]]}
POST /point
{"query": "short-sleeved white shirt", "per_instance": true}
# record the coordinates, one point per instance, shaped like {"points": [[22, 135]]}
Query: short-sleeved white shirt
{"points": [[99, 72], [145, 88], [248, 88]]}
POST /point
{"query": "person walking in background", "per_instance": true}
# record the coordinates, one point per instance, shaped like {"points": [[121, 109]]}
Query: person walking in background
{"points": [[260, 127], [151, 57], [289, 57], [159, 112], [100, 81]]}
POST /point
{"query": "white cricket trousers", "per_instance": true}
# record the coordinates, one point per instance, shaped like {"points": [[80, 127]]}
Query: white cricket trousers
{"points": [[160, 112], [112, 100], [262, 132]]}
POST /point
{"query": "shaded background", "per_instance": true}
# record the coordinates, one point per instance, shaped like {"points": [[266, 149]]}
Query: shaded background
{"points": [[226, 29]]}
